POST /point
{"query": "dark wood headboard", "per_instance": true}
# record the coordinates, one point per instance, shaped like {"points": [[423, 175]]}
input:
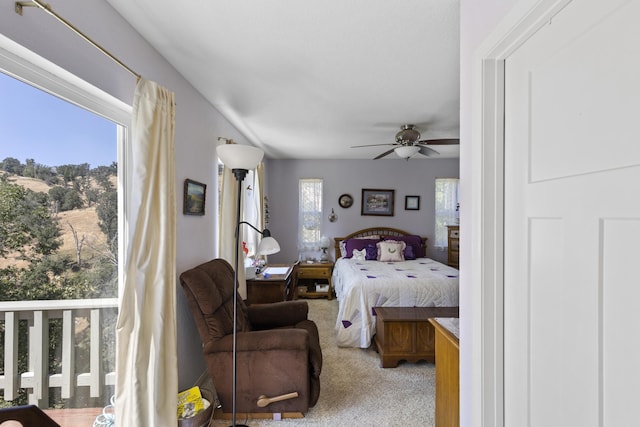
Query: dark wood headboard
{"points": [[375, 231]]}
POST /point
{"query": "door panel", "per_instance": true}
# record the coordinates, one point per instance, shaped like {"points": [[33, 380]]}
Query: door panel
{"points": [[572, 217]]}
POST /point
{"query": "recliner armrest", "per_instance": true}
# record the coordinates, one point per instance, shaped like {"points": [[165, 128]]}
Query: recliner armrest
{"points": [[275, 339], [277, 314]]}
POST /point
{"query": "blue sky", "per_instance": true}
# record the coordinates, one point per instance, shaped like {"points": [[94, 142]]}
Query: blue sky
{"points": [[37, 125]]}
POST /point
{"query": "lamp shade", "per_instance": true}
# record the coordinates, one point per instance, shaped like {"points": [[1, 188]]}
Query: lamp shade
{"points": [[324, 242], [406, 151], [268, 245], [236, 156]]}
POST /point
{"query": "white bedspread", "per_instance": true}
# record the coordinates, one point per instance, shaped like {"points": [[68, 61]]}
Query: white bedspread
{"points": [[362, 285]]}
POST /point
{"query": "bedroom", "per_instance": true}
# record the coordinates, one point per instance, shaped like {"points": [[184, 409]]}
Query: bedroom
{"points": [[198, 121]]}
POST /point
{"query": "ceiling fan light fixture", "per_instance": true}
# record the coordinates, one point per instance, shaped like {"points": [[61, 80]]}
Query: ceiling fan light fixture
{"points": [[407, 151], [407, 133]]}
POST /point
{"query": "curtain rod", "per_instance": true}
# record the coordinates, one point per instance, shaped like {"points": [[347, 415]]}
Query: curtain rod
{"points": [[47, 8]]}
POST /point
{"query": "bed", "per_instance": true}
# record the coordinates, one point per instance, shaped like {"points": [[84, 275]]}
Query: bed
{"points": [[390, 280]]}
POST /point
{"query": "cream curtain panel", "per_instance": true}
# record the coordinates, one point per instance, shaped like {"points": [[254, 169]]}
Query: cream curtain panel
{"points": [[228, 206], [146, 359]]}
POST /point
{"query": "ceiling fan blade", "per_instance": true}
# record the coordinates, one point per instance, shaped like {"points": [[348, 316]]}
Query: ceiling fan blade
{"points": [[443, 141], [386, 153], [370, 145], [426, 151]]}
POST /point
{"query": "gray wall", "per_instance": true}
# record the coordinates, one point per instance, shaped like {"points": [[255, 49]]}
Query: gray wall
{"points": [[413, 177]]}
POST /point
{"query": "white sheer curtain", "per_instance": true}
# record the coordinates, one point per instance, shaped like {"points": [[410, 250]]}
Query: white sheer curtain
{"points": [[309, 214], [250, 211], [447, 209], [146, 360], [252, 208], [228, 206]]}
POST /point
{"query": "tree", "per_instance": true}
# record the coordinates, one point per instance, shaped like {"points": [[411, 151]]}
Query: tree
{"points": [[91, 195], [65, 198], [102, 175], [12, 165], [72, 200], [26, 225], [78, 243], [107, 211], [30, 169]]}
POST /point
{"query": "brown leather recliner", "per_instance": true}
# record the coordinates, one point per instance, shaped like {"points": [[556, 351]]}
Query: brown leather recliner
{"points": [[278, 348]]}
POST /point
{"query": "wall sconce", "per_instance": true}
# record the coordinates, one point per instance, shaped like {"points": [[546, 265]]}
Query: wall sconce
{"points": [[332, 216]]}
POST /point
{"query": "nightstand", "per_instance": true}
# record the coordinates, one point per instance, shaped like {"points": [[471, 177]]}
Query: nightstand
{"points": [[314, 280], [267, 288]]}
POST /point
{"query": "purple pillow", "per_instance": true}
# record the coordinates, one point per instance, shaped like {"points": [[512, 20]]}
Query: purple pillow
{"points": [[413, 241], [358, 244], [408, 252], [372, 252]]}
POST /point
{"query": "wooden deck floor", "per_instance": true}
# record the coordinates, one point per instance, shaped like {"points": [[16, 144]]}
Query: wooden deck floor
{"points": [[74, 417]]}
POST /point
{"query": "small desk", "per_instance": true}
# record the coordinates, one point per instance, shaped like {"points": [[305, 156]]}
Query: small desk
{"points": [[274, 288]]}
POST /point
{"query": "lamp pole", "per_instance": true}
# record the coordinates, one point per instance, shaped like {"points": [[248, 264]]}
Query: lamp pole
{"points": [[239, 174], [239, 158]]}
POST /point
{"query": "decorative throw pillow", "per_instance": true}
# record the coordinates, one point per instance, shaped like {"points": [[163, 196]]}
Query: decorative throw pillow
{"points": [[408, 253], [372, 252], [358, 244], [391, 251], [359, 255], [343, 249], [413, 240]]}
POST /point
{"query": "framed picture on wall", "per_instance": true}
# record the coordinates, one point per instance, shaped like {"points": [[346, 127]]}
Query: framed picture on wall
{"points": [[377, 202], [194, 197], [411, 203]]}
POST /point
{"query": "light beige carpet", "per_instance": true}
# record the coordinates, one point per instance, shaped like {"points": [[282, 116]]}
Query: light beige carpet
{"points": [[355, 390]]}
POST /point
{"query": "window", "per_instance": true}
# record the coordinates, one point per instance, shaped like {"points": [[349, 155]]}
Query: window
{"points": [[447, 208], [309, 215], [81, 200]]}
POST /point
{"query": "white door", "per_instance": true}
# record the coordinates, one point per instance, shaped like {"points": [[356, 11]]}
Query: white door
{"points": [[572, 220]]}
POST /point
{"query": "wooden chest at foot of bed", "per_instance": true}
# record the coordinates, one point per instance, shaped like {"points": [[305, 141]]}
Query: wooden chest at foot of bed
{"points": [[404, 333]]}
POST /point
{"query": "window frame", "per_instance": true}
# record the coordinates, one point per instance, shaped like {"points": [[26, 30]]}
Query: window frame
{"points": [[32, 69], [309, 246], [440, 231]]}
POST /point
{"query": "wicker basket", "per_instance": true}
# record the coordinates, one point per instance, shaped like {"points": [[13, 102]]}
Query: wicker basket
{"points": [[202, 418]]}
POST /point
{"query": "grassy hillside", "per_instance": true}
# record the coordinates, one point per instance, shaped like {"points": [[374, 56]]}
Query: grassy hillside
{"points": [[84, 221]]}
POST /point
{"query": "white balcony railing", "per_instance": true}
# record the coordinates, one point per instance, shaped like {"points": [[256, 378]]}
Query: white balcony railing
{"points": [[38, 380]]}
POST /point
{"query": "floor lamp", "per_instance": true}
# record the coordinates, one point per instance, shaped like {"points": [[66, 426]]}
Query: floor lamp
{"points": [[240, 159]]}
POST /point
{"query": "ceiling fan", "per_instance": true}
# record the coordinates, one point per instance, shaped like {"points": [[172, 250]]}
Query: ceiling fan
{"points": [[408, 144]]}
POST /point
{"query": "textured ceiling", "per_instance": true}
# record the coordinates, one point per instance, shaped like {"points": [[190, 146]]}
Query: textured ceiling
{"points": [[307, 80]]}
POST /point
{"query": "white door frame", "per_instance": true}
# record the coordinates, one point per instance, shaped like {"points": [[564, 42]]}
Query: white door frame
{"points": [[488, 207]]}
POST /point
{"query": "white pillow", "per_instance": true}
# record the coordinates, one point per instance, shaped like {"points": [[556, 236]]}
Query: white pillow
{"points": [[359, 255], [391, 251]]}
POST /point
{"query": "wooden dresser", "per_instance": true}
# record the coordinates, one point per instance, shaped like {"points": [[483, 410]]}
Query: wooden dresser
{"points": [[453, 245]]}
